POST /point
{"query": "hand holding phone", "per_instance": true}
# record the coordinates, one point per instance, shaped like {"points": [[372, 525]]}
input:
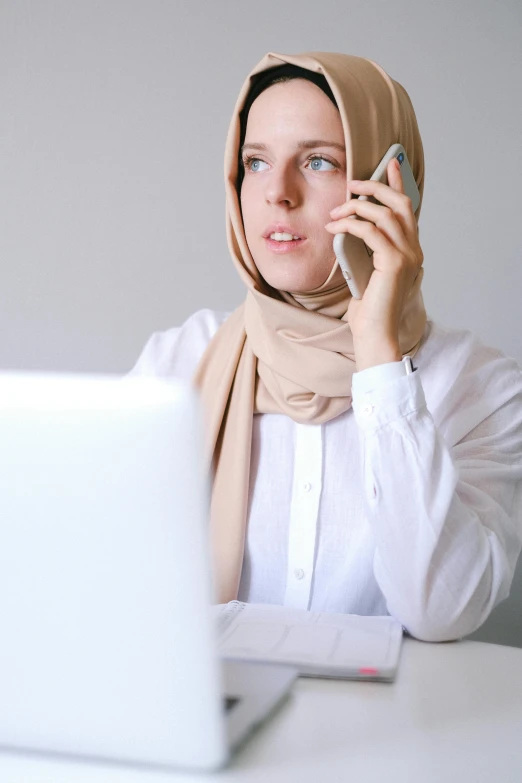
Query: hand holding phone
{"points": [[353, 255]]}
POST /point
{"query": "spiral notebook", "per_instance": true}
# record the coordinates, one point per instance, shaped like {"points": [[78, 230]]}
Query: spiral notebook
{"points": [[341, 646]]}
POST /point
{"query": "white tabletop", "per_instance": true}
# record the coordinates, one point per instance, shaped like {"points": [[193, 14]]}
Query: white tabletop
{"points": [[453, 714]]}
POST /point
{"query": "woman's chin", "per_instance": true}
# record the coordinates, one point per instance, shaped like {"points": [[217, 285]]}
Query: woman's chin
{"points": [[297, 283], [293, 279]]}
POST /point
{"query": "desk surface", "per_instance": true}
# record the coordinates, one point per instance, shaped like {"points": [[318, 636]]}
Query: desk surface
{"points": [[453, 714]]}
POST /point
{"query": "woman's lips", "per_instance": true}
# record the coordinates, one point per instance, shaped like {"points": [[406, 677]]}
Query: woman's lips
{"points": [[283, 247]]}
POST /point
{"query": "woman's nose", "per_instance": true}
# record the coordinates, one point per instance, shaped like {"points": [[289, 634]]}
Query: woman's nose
{"points": [[282, 185]]}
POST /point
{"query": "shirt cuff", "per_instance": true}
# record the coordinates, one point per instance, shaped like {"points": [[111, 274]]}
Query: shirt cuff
{"points": [[393, 400], [375, 377]]}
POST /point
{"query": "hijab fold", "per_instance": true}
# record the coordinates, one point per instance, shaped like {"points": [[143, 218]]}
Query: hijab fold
{"points": [[286, 353]]}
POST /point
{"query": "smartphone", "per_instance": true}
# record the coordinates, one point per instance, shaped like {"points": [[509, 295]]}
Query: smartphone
{"points": [[352, 253]]}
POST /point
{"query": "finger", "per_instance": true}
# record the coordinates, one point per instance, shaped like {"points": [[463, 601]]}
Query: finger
{"points": [[399, 202], [395, 175], [383, 217], [387, 195], [394, 178], [407, 220], [386, 256], [368, 232]]}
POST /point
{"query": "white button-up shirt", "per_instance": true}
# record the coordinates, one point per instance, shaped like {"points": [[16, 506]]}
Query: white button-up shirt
{"points": [[409, 503]]}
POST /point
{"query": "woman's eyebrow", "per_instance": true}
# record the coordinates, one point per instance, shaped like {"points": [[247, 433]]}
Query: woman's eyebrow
{"points": [[302, 145]]}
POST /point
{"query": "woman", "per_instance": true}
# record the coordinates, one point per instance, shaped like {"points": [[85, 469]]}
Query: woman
{"points": [[341, 481]]}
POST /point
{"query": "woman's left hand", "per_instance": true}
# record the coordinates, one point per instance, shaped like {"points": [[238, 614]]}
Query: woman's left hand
{"points": [[390, 230]]}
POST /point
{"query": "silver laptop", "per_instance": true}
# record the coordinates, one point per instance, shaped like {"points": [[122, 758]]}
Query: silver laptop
{"points": [[107, 642]]}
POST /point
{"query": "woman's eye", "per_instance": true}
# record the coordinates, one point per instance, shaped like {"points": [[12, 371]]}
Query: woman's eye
{"points": [[247, 163], [322, 160], [250, 162]]}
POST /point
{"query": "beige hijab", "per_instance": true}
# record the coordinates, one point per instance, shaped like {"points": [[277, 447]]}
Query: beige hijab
{"points": [[279, 353]]}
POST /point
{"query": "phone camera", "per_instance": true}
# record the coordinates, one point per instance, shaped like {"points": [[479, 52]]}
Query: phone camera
{"points": [[400, 157]]}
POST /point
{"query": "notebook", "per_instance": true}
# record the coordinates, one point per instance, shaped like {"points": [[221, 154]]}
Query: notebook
{"points": [[343, 646]]}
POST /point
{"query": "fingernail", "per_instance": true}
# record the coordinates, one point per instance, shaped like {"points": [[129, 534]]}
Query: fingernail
{"points": [[336, 210]]}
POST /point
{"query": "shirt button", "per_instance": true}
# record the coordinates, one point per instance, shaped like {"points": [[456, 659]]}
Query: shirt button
{"points": [[307, 486], [299, 573], [368, 410]]}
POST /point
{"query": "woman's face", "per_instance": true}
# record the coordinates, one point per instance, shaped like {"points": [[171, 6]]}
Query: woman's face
{"points": [[294, 180]]}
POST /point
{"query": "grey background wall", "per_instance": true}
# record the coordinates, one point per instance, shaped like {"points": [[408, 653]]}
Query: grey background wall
{"points": [[113, 118]]}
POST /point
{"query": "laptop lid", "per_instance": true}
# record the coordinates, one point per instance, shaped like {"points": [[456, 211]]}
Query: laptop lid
{"points": [[103, 514]]}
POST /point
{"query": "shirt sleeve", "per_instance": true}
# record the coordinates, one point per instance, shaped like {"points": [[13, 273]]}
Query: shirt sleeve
{"points": [[175, 353], [444, 500], [373, 377]]}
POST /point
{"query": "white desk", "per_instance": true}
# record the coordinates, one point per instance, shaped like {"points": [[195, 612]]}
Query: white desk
{"points": [[454, 714]]}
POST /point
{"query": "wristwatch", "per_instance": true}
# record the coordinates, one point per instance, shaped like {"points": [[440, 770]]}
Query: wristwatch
{"points": [[408, 365]]}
